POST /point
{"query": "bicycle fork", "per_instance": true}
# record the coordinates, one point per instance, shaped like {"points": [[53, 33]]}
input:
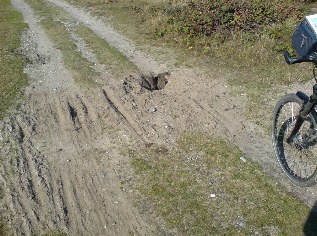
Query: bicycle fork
{"points": [[300, 120]]}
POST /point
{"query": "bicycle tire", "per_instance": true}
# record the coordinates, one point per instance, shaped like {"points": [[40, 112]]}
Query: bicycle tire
{"points": [[298, 159]]}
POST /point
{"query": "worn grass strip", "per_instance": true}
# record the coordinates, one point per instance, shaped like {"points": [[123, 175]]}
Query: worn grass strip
{"points": [[57, 26], [81, 69], [202, 187], [12, 78], [117, 63]]}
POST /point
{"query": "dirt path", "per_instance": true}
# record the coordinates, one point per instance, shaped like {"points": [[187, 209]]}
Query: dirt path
{"points": [[63, 158]]}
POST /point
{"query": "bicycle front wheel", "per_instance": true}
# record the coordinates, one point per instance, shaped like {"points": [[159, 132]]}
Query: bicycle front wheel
{"points": [[298, 158]]}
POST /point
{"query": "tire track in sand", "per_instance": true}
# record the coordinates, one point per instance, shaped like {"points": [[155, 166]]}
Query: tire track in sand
{"points": [[58, 136]]}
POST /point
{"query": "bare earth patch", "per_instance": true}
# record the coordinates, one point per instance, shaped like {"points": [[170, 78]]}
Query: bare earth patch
{"points": [[62, 151]]}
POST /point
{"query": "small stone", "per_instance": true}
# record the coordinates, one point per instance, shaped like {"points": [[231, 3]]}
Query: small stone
{"points": [[240, 223], [148, 145], [243, 159], [152, 110], [103, 174]]}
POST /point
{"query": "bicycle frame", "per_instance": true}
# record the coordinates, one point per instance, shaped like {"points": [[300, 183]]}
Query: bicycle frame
{"points": [[309, 105]]}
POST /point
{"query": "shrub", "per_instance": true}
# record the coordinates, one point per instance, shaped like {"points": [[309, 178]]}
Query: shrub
{"points": [[203, 18]]}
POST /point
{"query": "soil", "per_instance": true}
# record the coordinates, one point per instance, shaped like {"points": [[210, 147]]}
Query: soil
{"points": [[62, 151]]}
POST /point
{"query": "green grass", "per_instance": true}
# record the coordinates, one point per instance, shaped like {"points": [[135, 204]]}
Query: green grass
{"points": [[12, 78], [181, 182]]}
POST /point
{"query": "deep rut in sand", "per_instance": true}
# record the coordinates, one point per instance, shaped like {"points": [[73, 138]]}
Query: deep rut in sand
{"points": [[61, 149]]}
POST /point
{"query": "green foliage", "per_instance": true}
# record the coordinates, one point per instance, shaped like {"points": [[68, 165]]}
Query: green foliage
{"points": [[203, 18], [202, 24]]}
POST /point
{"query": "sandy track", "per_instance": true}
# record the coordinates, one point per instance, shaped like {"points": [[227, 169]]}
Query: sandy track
{"points": [[59, 136], [61, 150]]}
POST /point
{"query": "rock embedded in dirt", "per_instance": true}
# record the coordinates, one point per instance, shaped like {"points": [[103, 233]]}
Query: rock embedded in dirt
{"points": [[243, 159], [152, 109]]}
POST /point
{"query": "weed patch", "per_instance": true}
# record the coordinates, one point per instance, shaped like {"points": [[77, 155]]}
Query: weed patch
{"points": [[202, 187], [12, 78], [203, 18]]}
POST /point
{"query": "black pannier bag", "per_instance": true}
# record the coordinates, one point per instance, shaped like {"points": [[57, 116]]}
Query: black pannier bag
{"points": [[304, 39]]}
